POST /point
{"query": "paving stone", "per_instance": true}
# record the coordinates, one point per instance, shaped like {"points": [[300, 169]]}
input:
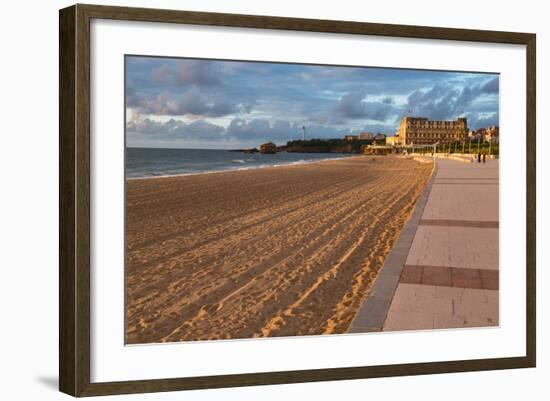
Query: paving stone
{"points": [[480, 313], [467, 247], [466, 278], [407, 290], [473, 297], [446, 321], [479, 321], [491, 296], [462, 201], [435, 275], [411, 274], [452, 293], [409, 321], [490, 279], [424, 290], [423, 300]]}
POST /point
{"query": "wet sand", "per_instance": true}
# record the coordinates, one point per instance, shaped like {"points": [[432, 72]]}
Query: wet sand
{"points": [[280, 251]]}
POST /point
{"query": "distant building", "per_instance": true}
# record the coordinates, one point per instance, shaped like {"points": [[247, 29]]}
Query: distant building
{"points": [[477, 134], [392, 140], [366, 136], [379, 137], [491, 134], [350, 138], [420, 130]]}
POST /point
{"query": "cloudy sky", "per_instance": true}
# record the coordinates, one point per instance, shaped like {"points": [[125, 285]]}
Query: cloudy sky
{"points": [[190, 103]]}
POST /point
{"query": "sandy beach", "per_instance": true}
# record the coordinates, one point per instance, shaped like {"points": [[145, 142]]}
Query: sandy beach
{"points": [[279, 251]]}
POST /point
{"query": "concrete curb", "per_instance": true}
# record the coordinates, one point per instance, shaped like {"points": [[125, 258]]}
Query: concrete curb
{"points": [[372, 314], [460, 159]]}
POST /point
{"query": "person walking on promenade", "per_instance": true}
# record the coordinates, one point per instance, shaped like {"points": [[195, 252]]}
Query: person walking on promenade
{"points": [[479, 157]]}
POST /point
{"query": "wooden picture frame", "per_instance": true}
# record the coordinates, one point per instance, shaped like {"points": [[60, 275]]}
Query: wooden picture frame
{"points": [[74, 204]]}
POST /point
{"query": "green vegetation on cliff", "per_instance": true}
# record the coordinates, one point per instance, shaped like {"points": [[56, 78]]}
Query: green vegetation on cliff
{"points": [[325, 146]]}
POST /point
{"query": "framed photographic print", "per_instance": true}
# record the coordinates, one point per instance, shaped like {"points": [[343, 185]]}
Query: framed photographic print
{"points": [[250, 200]]}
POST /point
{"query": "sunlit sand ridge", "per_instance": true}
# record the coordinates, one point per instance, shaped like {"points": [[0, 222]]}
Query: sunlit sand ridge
{"points": [[280, 251]]}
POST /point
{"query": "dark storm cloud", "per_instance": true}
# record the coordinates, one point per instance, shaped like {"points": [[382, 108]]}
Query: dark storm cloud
{"points": [[476, 121], [491, 86], [437, 103], [443, 102], [179, 88], [191, 102], [354, 106], [187, 72]]}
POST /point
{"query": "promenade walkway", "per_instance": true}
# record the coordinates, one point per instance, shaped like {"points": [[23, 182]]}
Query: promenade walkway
{"points": [[443, 271]]}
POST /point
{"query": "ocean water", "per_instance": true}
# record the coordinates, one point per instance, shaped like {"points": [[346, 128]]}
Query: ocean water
{"points": [[149, 162]]}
